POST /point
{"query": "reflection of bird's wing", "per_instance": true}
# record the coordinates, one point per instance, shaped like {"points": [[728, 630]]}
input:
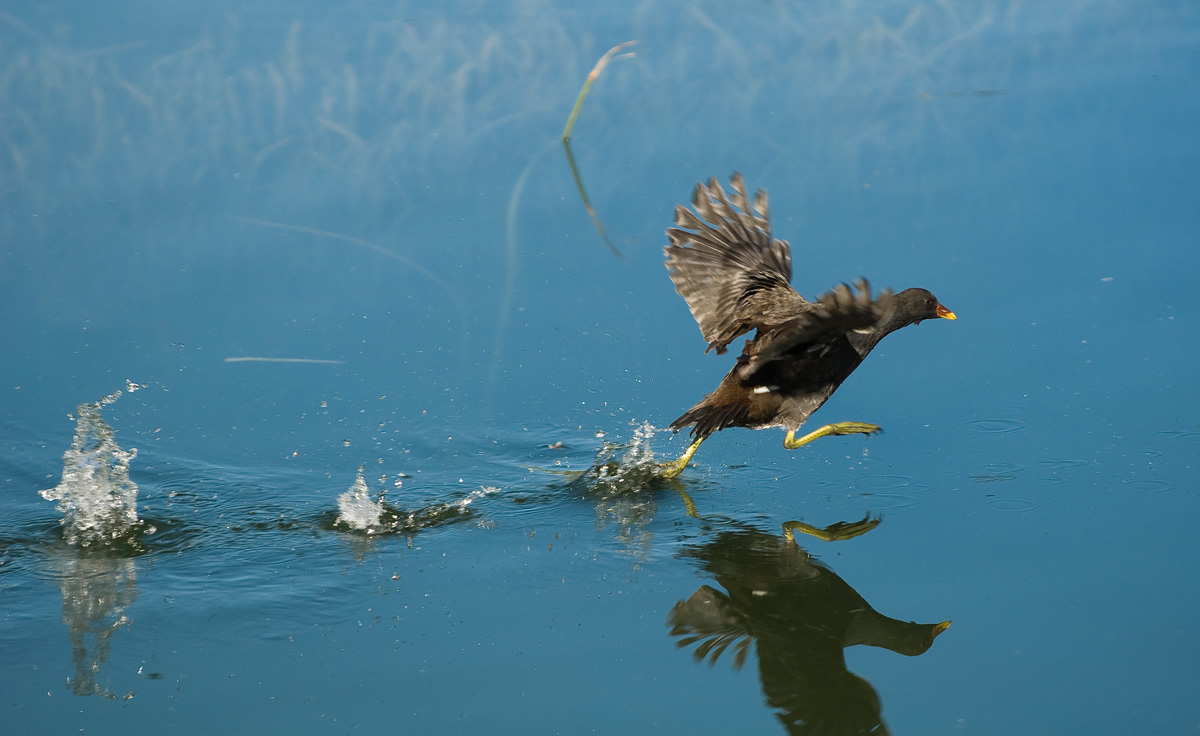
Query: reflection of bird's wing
{"points": [[726, 266], [710, 618], [808, 685], [815, 332]]}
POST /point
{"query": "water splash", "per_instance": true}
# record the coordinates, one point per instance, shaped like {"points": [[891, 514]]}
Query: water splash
{"points": [[624, 466], [622, 483], [357, 510], [96, 497]]}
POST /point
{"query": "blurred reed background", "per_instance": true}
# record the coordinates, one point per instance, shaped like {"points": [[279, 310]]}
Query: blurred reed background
{"points": [[246, 115]]}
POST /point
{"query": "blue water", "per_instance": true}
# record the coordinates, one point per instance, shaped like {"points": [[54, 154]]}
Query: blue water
{"points": [[317, 239]]}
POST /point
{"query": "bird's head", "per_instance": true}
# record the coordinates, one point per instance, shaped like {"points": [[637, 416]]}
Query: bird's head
{"points": [[915, 305]]}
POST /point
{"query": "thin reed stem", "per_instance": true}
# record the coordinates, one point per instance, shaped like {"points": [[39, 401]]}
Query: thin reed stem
{"points": [[609, 55]]}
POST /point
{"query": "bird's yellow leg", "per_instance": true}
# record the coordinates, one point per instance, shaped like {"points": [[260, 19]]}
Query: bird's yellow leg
{"points": [[791, 443], [675, 467]]}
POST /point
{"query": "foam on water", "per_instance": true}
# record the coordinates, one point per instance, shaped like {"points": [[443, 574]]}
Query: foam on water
{"points": [[96, 497]]}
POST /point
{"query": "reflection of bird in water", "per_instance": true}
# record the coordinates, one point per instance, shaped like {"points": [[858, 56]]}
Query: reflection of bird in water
{"points": [[735, 278], [801, 616]]}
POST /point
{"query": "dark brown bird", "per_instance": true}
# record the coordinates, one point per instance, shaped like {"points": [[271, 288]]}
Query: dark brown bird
{"points": [[735, 278]]}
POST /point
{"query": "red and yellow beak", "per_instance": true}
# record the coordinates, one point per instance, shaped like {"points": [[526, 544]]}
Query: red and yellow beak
{"points": [[945, 313]]}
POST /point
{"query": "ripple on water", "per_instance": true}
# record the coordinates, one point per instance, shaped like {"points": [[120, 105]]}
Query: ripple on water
{"points": [[886, 482], [1149, 485], [1021, 505], [998, 424], [998, 472], [1060, 464], [889, 501], [1059, 470], [1186, 435], [1004, 468]]}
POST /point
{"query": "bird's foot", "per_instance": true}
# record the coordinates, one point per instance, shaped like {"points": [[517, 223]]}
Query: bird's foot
{"points": [[671, 469], [838, 428], [855, 428], [675, 467]]}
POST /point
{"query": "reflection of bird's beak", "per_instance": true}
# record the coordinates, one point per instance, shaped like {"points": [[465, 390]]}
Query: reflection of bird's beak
{"points": [[945, 313], [945, 624]]}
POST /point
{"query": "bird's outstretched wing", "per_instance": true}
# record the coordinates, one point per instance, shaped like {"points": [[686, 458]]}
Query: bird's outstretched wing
{"points": [[819, 329], [727, 267]]}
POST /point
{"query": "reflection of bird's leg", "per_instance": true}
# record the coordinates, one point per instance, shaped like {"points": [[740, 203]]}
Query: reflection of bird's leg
{"points": [[688, 503], [832, 533], [675, 467], [791, 443], [791, 527]]}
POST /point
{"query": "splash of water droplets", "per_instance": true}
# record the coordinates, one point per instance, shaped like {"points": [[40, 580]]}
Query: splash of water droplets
{"points": [[96, 496], [358, 510], [634, 466]]}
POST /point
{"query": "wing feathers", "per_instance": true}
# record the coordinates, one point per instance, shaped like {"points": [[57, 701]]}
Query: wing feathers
{"points": [[725, 264]]}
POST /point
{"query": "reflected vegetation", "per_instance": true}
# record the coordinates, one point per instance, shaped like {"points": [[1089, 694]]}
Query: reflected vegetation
{"points": [[231, 113], [801, 616]]}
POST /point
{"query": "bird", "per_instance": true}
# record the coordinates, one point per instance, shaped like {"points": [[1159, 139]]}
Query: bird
{"points": [[736, 278]]}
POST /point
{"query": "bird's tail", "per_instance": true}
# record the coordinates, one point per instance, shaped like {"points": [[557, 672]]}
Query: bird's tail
{"points": [[705, 418]]}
